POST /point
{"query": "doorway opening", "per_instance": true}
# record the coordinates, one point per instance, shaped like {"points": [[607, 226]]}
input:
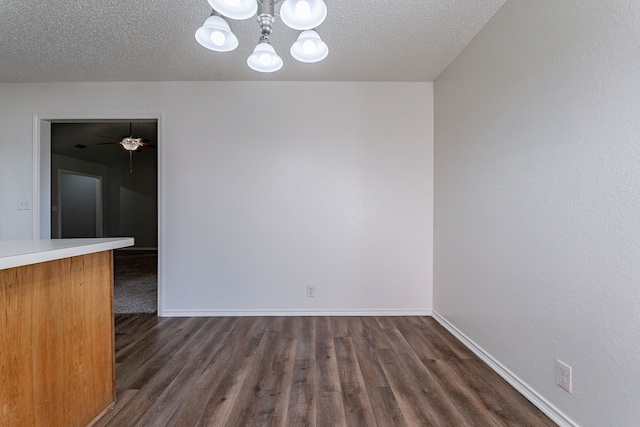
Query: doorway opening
{"points": [[86, 172]]}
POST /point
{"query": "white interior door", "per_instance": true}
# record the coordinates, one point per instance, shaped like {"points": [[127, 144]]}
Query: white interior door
{"points": [[79, 205]]}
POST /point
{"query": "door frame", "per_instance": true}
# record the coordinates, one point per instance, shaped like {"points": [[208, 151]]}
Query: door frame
{"points": [[41, 213]]}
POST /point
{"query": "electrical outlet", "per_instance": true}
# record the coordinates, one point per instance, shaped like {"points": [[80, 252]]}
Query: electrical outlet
{"points": [[563, 376], [24, 204], [311, 291]]}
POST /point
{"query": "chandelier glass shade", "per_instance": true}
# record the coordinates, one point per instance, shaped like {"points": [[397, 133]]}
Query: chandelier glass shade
{"points": [[264, 58], [235, 9], [309, 47], [303, 15], [216, 35]]}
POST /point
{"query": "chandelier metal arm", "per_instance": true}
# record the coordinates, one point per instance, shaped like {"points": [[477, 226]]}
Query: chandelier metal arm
{"points": [[266, 17]]}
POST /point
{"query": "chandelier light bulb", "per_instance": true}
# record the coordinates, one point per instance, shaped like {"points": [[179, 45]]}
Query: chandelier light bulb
{"points": [[265, 59], [303, 14], [309, 47], [218, 38], [302, 9]]}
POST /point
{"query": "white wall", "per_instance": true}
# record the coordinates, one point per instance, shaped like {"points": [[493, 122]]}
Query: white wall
{"points": [[266, 188], [537, 201]]}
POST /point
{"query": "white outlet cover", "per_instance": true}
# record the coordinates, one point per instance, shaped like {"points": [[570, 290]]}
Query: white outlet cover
{"points": [[563, 376]]}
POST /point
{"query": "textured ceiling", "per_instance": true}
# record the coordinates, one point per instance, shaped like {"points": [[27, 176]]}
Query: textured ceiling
{"points": [[153, 40]]}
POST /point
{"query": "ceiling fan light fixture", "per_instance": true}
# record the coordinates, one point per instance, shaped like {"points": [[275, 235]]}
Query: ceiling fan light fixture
{"points": [[309, 47], [130, 143], [264, 58], [235, 9], [303, 14], [215, 34]]}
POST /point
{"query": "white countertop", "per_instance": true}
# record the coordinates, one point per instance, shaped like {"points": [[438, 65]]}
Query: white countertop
{"points": [[16, 253]]}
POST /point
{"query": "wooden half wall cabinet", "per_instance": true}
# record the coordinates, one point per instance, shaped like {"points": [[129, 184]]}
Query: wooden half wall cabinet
{"points": [[57, 358]]}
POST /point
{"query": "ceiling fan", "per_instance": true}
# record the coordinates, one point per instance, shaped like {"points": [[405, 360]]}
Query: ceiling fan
{"points": [[129, 143]]}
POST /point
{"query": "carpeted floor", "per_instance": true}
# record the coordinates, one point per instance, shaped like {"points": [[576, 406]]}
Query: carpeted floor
{"points": [[135, 283]]}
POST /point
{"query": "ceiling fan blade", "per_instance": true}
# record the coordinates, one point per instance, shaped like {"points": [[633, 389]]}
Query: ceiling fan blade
{"points": [[107, 137], [108, 143]]}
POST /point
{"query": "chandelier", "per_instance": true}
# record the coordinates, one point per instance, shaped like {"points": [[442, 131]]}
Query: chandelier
{"points": [[303, 15]]}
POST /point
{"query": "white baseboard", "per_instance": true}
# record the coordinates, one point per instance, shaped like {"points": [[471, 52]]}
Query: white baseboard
{"points": [[534, 397], [247, 313]]}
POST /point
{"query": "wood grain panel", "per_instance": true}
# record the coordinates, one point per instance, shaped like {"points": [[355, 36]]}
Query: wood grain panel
{"points": [[57, 343]]}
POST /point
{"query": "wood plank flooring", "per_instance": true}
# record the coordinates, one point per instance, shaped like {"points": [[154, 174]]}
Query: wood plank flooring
{"points": [[305, 371]]}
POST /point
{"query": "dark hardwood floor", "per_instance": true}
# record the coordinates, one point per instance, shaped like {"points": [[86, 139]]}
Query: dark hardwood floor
{"points": [[305, 371]]}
